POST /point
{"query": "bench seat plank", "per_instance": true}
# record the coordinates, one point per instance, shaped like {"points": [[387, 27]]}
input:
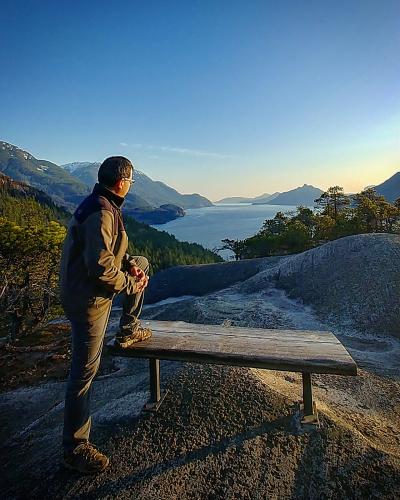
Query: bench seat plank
{"points": [[291, 350], [178, 327]]}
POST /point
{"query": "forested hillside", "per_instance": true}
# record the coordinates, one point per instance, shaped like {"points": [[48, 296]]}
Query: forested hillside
{"points": [[22, 204], [164, 250]]}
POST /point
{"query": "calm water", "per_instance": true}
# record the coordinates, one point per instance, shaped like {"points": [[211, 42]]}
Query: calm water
{"points": [[208, 226]]}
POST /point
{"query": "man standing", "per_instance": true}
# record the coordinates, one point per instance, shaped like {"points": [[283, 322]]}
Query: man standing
{"points": [[94, 268]]}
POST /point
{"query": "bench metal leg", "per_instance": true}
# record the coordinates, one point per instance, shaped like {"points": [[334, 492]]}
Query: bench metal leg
{"points": [[155, 392], [307, 394], [309, 408]]}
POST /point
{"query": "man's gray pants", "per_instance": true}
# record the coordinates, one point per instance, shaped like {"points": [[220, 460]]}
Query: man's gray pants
{"points": [[87, 346]]}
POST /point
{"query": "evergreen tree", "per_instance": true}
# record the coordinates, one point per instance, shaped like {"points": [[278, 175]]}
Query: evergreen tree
{"points": [[236, 246], [275, 226], [333, 201], [374, 214]]}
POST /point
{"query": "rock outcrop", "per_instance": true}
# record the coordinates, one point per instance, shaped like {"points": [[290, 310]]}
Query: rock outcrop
{"points": [[201, 279], [353, 281]]}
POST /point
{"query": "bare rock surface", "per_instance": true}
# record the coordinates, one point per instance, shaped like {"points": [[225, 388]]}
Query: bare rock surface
{"points": [[353, 282], [224, 432]]}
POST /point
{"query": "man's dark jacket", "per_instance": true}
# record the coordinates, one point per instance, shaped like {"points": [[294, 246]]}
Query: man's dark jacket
{"points": [[94, 263]]}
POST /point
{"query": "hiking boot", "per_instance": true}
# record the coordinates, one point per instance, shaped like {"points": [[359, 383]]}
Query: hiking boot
{"points": [[140, 333], [86, 459]]}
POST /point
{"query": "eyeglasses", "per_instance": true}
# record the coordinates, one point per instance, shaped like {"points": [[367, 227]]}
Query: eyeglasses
{"points": [[131, 181]]}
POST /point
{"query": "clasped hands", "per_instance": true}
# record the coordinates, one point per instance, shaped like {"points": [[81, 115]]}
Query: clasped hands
{"points": [[142, 278]]}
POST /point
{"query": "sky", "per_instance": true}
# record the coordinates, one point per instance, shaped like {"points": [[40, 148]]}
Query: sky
{"points": [[222, 98]]}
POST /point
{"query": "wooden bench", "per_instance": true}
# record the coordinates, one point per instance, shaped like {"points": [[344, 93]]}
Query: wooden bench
{"points": [[288, 350]]}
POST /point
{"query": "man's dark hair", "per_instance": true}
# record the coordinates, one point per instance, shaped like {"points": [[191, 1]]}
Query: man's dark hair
{"points": [[113, 169]]}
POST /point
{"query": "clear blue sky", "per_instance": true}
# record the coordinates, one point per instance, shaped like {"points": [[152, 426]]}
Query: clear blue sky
{"points": [[217, 97]]}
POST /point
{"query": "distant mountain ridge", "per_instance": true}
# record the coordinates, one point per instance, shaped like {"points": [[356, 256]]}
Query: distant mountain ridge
{"points": [[304, 195], [390, 189], [71, 167], [234, 199], [240, 199]]}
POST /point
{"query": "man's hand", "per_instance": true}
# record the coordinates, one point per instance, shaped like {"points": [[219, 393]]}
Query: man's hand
{"points": [[142, 279], [142, 284], [136, 271]]}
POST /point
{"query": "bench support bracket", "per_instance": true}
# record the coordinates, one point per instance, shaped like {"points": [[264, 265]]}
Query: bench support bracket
{"points": [[156, 398], [310, 415]]}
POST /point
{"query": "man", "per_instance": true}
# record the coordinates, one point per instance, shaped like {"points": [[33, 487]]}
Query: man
{"points": [[94, 268]]}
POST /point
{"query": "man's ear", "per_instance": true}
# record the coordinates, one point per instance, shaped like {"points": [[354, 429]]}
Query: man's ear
{"points": [[119, 185]]}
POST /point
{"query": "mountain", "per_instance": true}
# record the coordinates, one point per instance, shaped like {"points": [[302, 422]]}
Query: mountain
{"points": [[71, 167], [146, 192], [20, 165], [390, 189], [239, 199], [304, 195]]}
